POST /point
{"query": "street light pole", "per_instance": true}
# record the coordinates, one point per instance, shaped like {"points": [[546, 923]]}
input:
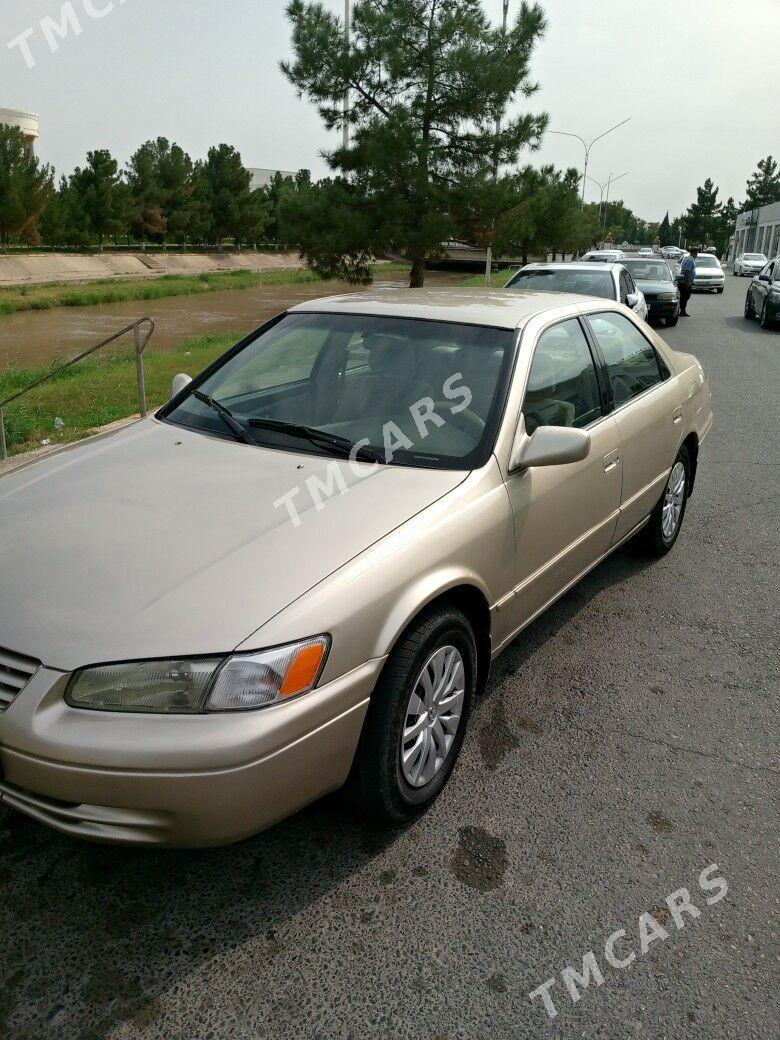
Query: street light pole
{"points": [[489, 251], [587, 146], [611, 180], [347, 25]]}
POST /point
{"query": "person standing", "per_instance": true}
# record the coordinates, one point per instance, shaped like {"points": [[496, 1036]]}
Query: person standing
{"points": [[687, 274]]}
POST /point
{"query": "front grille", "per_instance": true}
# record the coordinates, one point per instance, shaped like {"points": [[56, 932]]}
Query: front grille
{"points": [[15, 672], [651, 297]]}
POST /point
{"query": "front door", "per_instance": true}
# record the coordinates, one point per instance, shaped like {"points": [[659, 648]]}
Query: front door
{"points": [[564, 515], [648, 413]]}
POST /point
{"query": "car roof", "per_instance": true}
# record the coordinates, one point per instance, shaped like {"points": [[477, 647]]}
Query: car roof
{"points": [[571, 266], [492, 307]]}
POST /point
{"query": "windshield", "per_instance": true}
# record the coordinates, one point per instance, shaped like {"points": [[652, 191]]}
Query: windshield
{"points": [[421, 393], [590, 283], [648, 270], [706, 261], [755, 256]]}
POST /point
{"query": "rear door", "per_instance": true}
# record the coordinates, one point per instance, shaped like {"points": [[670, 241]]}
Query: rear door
{"points": [[647, 403]]}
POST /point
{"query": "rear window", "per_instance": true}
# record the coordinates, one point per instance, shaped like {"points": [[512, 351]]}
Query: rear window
{"points": [[648, 270], [589, 283]]}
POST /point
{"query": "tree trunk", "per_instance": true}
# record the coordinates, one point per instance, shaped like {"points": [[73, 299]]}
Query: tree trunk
{"points": [[417, 277]]}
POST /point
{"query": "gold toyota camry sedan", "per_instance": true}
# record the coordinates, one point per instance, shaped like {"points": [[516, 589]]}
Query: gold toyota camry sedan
{"points": [[295, 575]]}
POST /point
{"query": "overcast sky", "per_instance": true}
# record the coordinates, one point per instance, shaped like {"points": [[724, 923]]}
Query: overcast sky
{"points": [[699, 78]]}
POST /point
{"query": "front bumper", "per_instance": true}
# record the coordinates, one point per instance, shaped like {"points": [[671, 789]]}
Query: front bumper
{"points": [[663, 308], [214, 780], [708, 284]]}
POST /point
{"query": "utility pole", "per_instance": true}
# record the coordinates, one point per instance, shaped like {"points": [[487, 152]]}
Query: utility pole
{"points": [[347, 26], [489, 253], [587, 146]]}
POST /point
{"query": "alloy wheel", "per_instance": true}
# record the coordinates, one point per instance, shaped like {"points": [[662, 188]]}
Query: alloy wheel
{"points": [[433, 716], [674, 499]]}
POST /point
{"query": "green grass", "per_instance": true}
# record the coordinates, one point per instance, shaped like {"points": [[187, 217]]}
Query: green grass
{"points": [[91, 294], [498, 279], [98, 391]]}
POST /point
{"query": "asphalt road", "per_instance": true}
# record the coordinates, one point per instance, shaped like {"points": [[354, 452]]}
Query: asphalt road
{"points": [[627, 741]]}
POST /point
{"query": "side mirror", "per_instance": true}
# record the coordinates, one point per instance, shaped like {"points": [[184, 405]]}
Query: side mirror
{"points": [[763, 278], [632, 300], [548, 446], [178, 383]]}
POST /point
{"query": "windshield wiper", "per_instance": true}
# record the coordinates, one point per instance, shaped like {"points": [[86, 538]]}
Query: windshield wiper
{"points": [[238, 429], [320, 439]]}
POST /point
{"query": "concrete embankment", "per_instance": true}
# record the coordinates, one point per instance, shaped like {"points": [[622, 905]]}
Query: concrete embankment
{"points": [[42, 268]]}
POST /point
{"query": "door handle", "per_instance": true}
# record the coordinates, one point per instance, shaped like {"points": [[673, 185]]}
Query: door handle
{"points": [[677, 415], [610, 461]]}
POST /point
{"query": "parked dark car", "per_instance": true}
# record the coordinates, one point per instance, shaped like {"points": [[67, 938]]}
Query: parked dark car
{"points": [[654, 279], [763, 295]]}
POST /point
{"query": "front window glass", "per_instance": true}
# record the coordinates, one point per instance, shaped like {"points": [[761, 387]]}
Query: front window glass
{"points": [[631, 362], [706, 261], [562, 386], [421, 393], [568, 280], [648, 270]]}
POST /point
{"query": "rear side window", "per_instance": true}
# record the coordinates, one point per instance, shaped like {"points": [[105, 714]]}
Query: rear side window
{"points": [[562, 386], [631, 362]]}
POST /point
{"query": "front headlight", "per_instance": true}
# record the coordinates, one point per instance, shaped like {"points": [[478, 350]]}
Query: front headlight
{"points": [[667, 297], [192, 686]]}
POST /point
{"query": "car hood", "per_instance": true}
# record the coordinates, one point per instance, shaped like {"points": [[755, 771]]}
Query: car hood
{"points": [[655, 287], [161, 541]]}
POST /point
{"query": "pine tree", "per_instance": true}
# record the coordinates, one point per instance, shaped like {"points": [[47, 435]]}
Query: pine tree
{"points": [[665, 231], [703, 218], [427, 80], [25, 189], [101, 195], [763, 187], [226, 205]]}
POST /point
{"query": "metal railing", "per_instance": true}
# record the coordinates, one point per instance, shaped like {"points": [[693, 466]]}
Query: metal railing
{"points": [[139, 345]]}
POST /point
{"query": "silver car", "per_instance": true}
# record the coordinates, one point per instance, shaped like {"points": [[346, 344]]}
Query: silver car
{"points": [[297, 573]]}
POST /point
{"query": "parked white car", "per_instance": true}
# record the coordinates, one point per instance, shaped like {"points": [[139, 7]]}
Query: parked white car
{"points": [[610, 281], [749, 263], [709, 274], [604, 256]]}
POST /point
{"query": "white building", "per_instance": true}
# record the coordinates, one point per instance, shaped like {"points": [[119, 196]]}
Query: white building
{"points": [[27, 123], [262, 178], [758, 231]]}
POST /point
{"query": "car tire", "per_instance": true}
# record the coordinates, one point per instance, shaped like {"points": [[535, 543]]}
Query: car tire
{"points": [[671, 322], [765, 322], [749, 312], [719, 291], [659, 535], [379, 781]]}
